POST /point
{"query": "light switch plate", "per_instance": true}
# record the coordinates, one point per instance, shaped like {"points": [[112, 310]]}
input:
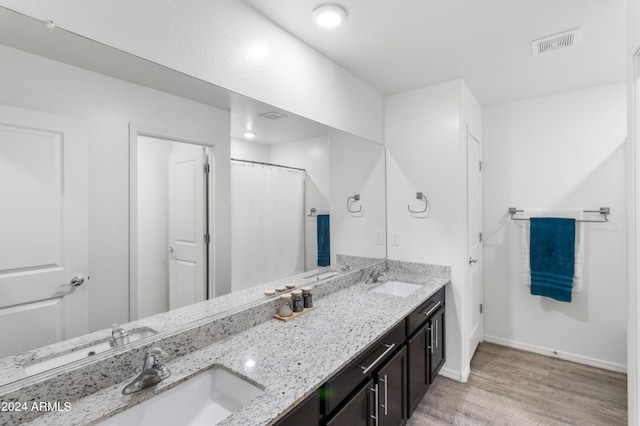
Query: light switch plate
{"points": [[379, 238], [395, 239]]}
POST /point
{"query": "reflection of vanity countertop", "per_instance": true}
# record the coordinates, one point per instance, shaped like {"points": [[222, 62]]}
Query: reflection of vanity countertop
{"points": [[12, 367], [289, 359]]}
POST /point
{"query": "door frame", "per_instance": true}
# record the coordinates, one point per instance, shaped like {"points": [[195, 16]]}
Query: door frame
{"points": [[136, 130]]}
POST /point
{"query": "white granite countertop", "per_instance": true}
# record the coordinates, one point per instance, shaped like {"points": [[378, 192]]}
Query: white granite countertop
{"points": [[290, 359]]}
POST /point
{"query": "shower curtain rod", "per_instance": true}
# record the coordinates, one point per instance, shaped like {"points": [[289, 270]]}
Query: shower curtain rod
{"points": [[268, 164]]}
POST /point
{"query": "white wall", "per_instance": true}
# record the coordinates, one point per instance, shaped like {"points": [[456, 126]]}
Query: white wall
{"points": [[427, 153], [224, 42], [357, 167], [561, 151], [107, 106], [252, 151]]}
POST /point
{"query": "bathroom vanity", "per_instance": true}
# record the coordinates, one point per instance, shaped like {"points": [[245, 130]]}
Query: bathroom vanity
{"points": [[384, 385], [358, 349]]}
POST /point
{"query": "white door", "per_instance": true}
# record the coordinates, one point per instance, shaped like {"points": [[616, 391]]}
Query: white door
{"points": [[187, 269], [474, 237], [43, 229]]}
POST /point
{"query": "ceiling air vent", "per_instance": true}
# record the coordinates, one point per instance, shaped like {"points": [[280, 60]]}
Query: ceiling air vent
{"points": [[557, 41], [273, 115]]}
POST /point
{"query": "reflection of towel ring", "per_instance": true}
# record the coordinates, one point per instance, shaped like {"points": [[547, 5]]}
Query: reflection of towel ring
{"points": [[355, 198], [420, 196]]}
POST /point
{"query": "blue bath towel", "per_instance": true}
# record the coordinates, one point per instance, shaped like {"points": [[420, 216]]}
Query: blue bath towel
{"points": [[324, 242], [552, 256]]}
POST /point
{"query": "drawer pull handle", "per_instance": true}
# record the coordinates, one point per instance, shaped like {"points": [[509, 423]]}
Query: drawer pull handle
{"points": [[432, 310], [390, 347]]}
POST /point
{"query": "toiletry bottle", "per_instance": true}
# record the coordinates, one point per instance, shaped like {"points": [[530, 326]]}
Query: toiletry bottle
{"points": [[298, 301], [286, 307], [307, 297]]}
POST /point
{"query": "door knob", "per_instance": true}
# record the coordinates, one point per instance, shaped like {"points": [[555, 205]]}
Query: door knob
{"points": [[473, 260], [170, 249], [77, 280]]}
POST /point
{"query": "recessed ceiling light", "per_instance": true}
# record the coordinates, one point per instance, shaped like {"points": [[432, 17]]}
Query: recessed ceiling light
{"points": [[329, 15], [249, 135]]}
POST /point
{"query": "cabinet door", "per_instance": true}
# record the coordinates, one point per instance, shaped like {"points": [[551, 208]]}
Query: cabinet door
{"points": [[436, 343], [306, 413], [392, 390], [417, 368], [359, 411]]}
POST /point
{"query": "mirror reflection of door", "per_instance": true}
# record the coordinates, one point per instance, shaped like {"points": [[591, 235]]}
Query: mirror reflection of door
{"points": [[172, 236], [43, 229]]}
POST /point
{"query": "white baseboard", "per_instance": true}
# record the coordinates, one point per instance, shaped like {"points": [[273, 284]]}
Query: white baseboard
{"points": [[454, 375], [606, 365]]}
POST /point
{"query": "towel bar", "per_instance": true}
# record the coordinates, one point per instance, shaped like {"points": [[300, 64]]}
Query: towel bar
{"points": [[604, 211]]}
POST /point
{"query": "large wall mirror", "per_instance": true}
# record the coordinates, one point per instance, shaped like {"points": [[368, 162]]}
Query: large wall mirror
{"points": [[129, 189]]}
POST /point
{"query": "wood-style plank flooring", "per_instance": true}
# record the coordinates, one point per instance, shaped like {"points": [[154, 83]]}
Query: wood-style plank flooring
{"points": [[512, 387]]}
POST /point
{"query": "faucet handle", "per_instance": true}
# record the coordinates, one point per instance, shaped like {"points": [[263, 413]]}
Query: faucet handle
{"points": [[156, 353], [119, 335], [152, 360]]}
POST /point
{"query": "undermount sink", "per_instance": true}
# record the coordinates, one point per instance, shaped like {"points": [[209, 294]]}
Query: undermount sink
{"points": [[397, 288], [81, 353], [205, 399]]}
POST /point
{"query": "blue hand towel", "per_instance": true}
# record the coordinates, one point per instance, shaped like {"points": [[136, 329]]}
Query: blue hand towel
{"points": [[552, 257], [324, 242]]}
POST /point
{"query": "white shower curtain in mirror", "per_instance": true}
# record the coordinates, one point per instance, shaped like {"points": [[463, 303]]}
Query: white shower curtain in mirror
{"points": [[267, 223]]}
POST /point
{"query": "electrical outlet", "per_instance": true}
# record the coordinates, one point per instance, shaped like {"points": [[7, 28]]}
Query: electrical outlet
{"points": [[395, 239]]}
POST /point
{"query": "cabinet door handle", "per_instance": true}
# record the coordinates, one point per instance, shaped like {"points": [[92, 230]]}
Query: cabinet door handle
{"points": [[430, 330], [436, 327], [375, 404], [432, 310], [385, 394], [390, 347]]}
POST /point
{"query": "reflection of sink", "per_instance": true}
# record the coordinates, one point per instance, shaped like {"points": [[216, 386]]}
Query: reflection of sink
{"points": [[206, 399], [83, 352], [396, 288]]}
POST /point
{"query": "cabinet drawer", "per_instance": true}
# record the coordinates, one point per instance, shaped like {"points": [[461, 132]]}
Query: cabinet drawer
{"points": [[421, 314], [347, 380]]}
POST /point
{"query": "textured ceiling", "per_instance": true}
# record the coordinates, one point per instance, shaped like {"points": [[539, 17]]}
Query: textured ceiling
{"points": [[408, 44]]}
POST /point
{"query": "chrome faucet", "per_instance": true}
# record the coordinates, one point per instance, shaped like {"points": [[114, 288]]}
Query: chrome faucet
{"points": [[152, 372], [375, 275], [119, 336]]}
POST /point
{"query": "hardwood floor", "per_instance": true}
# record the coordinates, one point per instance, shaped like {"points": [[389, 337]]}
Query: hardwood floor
{"points": [[512, 387]]}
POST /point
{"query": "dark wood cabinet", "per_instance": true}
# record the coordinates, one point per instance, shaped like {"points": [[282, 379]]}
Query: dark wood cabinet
{"points": [[385, 384], [308, 412], [436, 343], [392, 390], [425, 348], [359, 411], [417, 368]]}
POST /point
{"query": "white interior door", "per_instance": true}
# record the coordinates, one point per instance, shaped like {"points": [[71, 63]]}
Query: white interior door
{"points": [[474, 237], [43, 229], [186, 227]]}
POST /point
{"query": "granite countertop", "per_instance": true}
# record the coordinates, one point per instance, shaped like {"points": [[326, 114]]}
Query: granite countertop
{"points": [[290, 360]]}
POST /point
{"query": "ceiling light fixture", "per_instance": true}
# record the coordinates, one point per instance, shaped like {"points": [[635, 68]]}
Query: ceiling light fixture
{"points": [[249, 135], [329, 15]]}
